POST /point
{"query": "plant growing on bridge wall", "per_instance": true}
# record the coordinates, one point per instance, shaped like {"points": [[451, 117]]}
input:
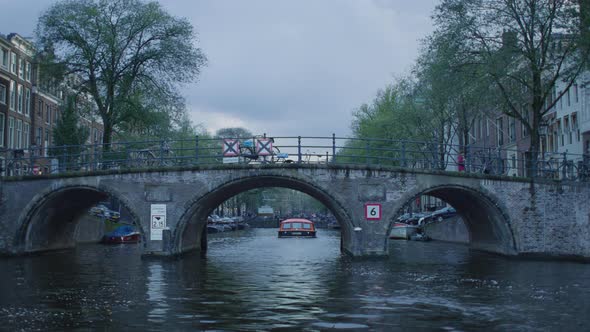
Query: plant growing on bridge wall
{"points": [[121, 49]]}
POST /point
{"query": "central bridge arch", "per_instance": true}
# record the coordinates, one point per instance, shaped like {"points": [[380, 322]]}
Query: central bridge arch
{"points": [[190, 233]]}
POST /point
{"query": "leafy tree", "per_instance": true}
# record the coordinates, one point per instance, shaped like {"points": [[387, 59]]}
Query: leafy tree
{"points": [[524, 47], [69, 135], [379, 129], [120, 49], [455, 93], [233, 132]]}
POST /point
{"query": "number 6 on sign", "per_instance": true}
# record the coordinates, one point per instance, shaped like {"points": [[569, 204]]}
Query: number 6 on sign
{"points": [[372, 211]]}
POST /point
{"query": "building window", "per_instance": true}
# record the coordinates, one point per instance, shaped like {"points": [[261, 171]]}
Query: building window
{"points": [[27, 135], [524, 130], [10, 132], [28, 71], [47, 114], [487, 127], [13, 63], [40, 109], [4, 58], [12, 95], [19, 101], [512, 129], [576, 93], [21, 69], [560, 132], [575, 128], [499, 132], [19, 134], [2, 94], [566, 127], [2, 129], [27, 101], [569, 101], [39, 136]]}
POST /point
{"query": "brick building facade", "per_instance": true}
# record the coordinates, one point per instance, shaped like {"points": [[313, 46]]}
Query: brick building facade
{"points": [[29, 109]]}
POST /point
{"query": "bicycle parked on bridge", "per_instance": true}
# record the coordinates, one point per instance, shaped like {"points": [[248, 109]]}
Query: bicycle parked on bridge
{"points": [[261, 149], [156, 155]]}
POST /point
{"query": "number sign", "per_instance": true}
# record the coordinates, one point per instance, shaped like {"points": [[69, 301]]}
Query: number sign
{"points": [[373, 211]]}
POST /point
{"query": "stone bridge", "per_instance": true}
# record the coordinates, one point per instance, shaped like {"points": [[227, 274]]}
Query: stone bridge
{"points": [[504, 215]]}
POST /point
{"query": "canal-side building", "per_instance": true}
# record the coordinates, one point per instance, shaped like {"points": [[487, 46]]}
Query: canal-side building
{"points": [[30, 108], [16, 91]]}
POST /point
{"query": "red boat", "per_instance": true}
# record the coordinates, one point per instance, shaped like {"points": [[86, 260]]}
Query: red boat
{"points": [[297, 228]]}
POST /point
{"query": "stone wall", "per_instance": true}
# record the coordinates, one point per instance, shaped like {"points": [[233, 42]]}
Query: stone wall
{"points": [[90, 229], [450, 230], [504, 215]]}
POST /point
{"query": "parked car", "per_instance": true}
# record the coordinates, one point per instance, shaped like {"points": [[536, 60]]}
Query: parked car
{"points": [[438, 215], [444, 213]]}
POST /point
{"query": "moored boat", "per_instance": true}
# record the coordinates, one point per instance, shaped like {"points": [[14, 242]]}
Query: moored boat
{"points": [[123, 234], [402, 231]]}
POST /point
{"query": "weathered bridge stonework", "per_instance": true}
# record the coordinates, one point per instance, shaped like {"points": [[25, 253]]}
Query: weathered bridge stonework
{"points": [[504, 215]]}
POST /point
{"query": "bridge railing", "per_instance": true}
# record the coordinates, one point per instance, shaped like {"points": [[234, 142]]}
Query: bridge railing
{"points": [[265, 149]]}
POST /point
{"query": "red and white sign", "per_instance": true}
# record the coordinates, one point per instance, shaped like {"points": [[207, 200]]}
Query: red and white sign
{"points": [[373, 211], [231, 147], [264, 146]]}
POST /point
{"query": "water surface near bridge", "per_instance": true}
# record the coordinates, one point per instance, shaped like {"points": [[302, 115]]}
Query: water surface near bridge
{"points": [[252, 280]]}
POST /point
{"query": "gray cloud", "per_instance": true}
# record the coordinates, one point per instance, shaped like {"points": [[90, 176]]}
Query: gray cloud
{"points": [[286, 67]]}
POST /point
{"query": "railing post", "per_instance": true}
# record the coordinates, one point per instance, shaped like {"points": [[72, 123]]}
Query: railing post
{"points": [[162, 153], [500, 164], [368, 152], [333, 148], [196, 149], [299, 149], [564, 166], [65, 158], [95, 159], [404, 164]]}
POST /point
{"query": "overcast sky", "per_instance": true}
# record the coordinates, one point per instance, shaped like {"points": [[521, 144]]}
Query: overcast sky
{"points": [[286, 68]]}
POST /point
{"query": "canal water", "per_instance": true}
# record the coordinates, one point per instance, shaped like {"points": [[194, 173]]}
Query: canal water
{"points": [[253, 281]]}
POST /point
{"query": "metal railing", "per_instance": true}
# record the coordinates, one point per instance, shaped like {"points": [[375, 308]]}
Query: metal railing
{"points": [[264, 149]]}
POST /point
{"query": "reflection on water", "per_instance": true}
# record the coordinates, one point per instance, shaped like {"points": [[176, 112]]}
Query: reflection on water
{"points": [[252, 280]]}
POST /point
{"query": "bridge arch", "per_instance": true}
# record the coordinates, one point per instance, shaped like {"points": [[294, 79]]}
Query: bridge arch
{"points": [[190, 232], [486, 218], [50, 219]]}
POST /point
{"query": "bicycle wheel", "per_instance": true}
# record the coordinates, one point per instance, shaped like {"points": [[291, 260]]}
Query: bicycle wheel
{"points": [[247, 154]]}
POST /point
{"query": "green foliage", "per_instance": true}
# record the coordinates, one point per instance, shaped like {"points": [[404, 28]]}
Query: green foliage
{"points": [[395, 116], [69, 136], [524, 47], [129, 55]]}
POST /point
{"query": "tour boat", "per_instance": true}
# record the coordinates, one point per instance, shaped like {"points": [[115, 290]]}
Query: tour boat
{"points": [[297, 228], [402, 231]]}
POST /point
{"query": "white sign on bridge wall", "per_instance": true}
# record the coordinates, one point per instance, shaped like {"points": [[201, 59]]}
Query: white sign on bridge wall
{"points": [[157, 221], [373, 211]]}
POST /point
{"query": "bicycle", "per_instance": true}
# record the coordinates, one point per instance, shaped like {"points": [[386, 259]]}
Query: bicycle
{"points": [[161, 155], [251, 153]]}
